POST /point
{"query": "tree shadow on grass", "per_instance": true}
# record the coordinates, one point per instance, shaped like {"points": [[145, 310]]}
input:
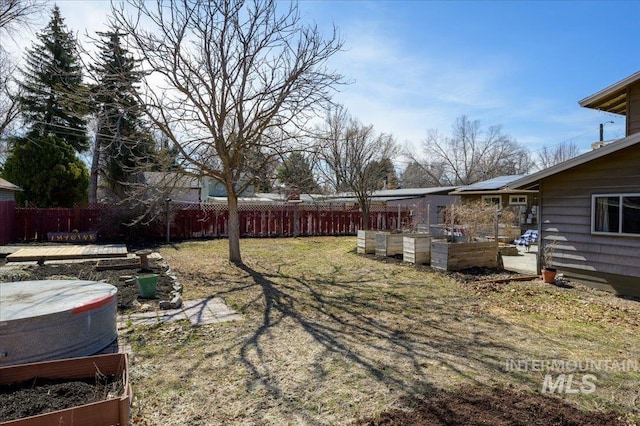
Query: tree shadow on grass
{"points": [[380, 341]]}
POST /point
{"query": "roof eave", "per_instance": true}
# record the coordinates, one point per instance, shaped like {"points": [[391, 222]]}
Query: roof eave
{"points": [[612, 99], [576, 161], [494, 191]]}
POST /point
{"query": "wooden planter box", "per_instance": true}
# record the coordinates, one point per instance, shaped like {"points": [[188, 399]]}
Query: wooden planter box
{"points": [[112, 411], [388, 244], [366, 242], [456, 256], [416, 248]]}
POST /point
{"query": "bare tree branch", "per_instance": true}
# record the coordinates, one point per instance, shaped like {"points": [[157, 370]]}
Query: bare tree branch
{"points": [[18, 13], [470, 156], [550, 156], [229, 78], [352, 157]]}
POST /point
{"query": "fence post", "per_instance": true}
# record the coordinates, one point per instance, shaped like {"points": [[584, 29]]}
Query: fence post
{"points": [[168, 200]]}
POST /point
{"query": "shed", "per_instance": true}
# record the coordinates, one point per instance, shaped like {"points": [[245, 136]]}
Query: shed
{"points": [[426, 206]]}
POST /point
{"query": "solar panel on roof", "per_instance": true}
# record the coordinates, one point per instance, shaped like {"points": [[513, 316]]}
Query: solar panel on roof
{"points": [[495, 183]]}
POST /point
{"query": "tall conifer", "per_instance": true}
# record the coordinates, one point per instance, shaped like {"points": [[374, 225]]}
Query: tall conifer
{"points": [[53, 100], [123, 142]]}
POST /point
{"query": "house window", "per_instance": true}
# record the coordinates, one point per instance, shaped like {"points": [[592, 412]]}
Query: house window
{"points": [[616, 214], [518, 200], [492, 200]]}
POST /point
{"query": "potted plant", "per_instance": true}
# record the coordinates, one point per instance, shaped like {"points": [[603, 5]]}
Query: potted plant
{"points": [[548, 270]]}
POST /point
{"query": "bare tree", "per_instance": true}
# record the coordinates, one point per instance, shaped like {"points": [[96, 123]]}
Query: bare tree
{"points": [[18, 13], [470, 155], [237, 78], [353, 157], [9, 108], [14, 14], [550, 156], [419, 174]]}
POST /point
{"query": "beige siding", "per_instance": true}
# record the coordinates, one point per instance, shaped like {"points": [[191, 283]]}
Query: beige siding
{"points": [[633, 110], [566, 215]]}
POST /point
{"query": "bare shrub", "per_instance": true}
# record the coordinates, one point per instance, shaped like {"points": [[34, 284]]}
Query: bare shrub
{"points": [[477, 219]]}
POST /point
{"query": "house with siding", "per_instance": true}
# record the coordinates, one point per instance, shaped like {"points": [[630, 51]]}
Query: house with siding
{"points": [[426, 206], [496, 191], [8, 190], [590, 205], [7, 210]]}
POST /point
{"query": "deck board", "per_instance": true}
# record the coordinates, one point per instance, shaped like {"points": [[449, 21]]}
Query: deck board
{"points": [[64, 252]]}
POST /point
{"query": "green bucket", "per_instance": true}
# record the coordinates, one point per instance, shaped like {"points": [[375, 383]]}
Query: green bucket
{"points": [[147, 285]]}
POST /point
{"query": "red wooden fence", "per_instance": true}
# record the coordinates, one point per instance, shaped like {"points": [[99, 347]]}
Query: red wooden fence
{"points": [[206, 221], [7, 221]]}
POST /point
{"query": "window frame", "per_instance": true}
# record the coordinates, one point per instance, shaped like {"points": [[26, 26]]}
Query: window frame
{"points": [[517, 203], [491, 197], [620, 196]]}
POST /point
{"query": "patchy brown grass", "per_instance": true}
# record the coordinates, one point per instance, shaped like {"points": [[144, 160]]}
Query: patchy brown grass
{"points": [[332, 337]]}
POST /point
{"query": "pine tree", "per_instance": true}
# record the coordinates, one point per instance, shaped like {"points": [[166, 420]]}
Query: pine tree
{"points": [[296, 171], [53, 102], [122, 141]]}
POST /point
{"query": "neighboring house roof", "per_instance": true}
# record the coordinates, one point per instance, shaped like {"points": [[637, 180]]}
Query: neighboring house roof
{"points": [[533, 179], [413, 192], [500, 183], [613, 98], [5, 184], [400, 194], [171, 179], [283, 197]]}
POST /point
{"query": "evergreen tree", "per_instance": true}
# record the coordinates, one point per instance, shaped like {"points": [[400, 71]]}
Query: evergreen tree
{"points": [[384, 174], [53, 101], [125, 146], [418, 175], [296, 171], [48, 171]]}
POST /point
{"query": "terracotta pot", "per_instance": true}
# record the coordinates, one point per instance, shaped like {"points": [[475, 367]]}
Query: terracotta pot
{"points": [[549, 275]]}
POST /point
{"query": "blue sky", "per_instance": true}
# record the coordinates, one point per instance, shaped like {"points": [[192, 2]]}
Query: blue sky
{"points": [[418, 65]]}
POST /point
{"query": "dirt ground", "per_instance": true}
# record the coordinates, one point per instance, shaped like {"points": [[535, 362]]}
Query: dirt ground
{"points": [[468, 405], [496, 407], [44, 396], [129, 299]]}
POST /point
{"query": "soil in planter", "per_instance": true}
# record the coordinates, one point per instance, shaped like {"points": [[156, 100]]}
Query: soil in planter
{"points": [[129, 299], [40, 396]]}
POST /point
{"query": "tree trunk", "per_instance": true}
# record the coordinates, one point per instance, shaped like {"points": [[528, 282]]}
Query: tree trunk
{"points": [[234, 229], [95, 163], [365, 217]]}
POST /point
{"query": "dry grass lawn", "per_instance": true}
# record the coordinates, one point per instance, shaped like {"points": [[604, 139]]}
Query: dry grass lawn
{"points": [[330, 337]]}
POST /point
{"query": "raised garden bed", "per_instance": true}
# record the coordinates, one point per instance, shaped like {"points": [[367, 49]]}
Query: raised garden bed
{"points": [[388, 244], [416, 248], [91, 390], [366, 242], [447, 256]]}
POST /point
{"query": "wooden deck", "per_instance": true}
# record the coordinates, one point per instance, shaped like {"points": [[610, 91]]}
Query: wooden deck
{"points": [[65, 252]]}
